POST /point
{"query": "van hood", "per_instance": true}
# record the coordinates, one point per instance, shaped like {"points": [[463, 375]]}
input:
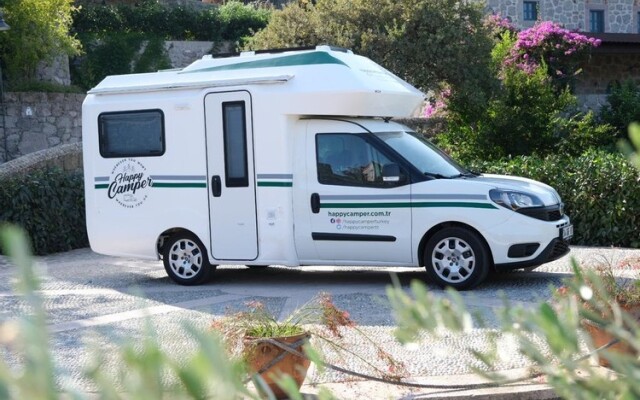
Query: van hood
{"points": [[546, 193]]}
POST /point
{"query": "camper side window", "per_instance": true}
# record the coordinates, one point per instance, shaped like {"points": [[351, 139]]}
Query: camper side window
{"points": [[131, 134], [235, 144], [347, 159]]}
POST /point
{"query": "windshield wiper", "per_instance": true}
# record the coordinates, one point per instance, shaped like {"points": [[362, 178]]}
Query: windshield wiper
{"points": [[464, 175], [437, 176]]}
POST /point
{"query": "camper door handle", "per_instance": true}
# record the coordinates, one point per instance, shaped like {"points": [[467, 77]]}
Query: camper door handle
{"points": [[315, 203], [216, 186]]}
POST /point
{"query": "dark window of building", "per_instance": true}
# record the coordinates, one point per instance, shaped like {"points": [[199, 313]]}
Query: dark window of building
{"points": [[131, 134], [530, 11], [596, 21]]}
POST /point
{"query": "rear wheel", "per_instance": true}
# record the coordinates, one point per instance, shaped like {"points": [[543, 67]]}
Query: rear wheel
{"points": [[185, 259], [456, 257]]}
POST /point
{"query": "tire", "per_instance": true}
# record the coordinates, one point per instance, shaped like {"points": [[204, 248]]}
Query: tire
{"points": [[456, 257], [185, 259]]}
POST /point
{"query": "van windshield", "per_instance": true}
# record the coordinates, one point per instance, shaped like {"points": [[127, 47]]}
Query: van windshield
{"points": [[422, 154]]}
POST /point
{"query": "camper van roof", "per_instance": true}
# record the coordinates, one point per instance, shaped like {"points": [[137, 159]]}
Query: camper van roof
{"points": [[320, 70]]}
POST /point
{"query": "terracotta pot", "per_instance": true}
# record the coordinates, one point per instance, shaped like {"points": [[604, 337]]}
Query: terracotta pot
{"points": [[601, 337], [260, 354]]}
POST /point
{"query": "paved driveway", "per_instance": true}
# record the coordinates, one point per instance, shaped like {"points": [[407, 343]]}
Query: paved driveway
{"points": [[99, 300]]}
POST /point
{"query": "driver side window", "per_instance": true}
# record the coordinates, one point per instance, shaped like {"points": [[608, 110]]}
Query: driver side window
{"points": [[348, 160]]}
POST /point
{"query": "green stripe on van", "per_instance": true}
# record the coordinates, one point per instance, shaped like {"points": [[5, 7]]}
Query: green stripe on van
{"points": [[310, 58], [178, 185], [409, 205], [274, 184], [102, 186]]}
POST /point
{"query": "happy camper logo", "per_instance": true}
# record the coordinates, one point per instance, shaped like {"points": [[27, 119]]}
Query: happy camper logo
{"points": [[129, 183]]}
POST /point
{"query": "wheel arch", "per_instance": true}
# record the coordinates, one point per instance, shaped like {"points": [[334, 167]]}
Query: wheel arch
{"points": [[451, 224], [160, 241]]}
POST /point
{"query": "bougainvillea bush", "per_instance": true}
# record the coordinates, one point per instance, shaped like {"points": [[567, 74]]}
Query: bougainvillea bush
{"points": [[533, 111], [548, 44]]}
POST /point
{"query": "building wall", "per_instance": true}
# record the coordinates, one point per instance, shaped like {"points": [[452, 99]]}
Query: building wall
{"points": [[620, 16]]}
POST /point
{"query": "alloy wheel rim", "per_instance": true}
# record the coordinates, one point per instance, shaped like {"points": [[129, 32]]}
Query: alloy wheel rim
{"points": [[453, 260], [185, 259]]}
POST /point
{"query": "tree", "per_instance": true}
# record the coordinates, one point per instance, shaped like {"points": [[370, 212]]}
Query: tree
{"points": [[427, 42], [533, 110], [39, 32]]}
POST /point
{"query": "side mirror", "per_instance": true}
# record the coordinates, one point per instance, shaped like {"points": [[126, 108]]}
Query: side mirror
{"points": [[391, 173]]}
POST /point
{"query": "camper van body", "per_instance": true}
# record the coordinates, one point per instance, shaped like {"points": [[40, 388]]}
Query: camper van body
{"points": [[232, 160]]}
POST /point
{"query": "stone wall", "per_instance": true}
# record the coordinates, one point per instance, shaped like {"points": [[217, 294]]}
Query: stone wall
{"points": [[67, 157], [183, 53], [605, 69], [620, 15], [36, 121], [55, 71]]}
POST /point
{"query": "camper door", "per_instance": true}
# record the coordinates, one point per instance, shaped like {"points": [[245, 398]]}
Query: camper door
{"points": [[230, 173], [350, 213]]}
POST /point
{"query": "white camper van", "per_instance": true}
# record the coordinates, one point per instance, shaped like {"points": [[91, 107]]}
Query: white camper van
{"points": [[291, 158]]}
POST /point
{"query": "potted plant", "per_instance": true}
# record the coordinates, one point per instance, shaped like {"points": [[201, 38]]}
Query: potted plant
{"points": [[609, 305], [262, 340]]}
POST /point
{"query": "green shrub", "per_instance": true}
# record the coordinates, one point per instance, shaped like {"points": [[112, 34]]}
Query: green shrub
{"points": [[581, 132], [231, 21], [118, 53], [39, 32], [238, 20], [600, 191], [623, 107], [520, 120], [49, 205]]}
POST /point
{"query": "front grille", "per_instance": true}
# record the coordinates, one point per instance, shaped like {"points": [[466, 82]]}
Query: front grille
{"points": [[550, 213], [560, 248]]}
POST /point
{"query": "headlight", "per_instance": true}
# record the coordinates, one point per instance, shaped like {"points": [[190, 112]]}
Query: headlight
{"points": [[514, 200]]}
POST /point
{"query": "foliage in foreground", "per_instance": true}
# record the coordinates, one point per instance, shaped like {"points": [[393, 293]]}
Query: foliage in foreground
{"points": [[548, 335], [143, 369], [632, 150]]}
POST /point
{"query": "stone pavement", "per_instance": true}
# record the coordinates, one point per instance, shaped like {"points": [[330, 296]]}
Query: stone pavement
{"points": [[97, 301]]}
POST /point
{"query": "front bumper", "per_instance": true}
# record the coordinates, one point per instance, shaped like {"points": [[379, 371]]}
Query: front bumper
{"points": [[554, 250]]}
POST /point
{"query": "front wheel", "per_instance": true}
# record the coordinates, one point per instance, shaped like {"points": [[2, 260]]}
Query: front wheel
{"points": [[185, 260], [456, 257]]}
